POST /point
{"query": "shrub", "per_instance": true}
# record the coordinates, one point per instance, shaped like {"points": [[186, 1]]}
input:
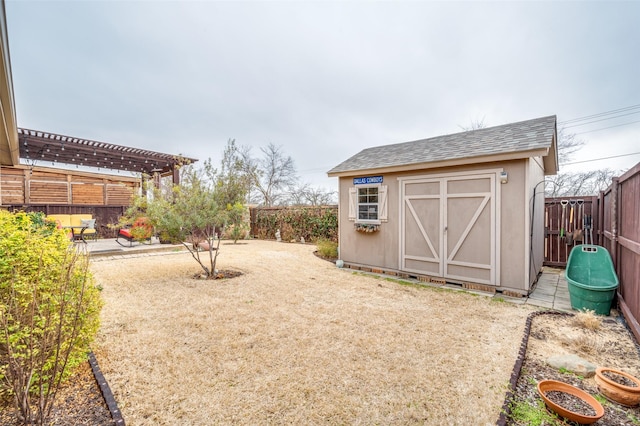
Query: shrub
{"points": [[327, 248], [310, 223], [49, 312], [238, 226]]}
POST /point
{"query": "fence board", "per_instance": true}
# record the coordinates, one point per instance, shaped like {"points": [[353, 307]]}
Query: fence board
{"points": [[557, 247], [625, 242], [104, 215], [87, 193]]}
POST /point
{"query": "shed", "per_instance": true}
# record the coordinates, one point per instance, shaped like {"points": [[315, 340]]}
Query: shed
{"points": [[464, 208]]}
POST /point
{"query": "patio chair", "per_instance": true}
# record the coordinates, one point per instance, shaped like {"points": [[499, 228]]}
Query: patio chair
{"points": [[141, 231], [84, 227]]}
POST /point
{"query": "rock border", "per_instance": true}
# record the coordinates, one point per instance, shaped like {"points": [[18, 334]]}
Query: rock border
{"points": [[105, 390], [517, 367]]}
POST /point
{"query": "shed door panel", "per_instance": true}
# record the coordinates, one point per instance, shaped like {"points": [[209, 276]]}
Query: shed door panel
{"points": [[423, 239], [450, 232]]}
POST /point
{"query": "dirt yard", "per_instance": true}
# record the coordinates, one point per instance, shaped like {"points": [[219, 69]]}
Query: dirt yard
{"points": [[295, 340]]}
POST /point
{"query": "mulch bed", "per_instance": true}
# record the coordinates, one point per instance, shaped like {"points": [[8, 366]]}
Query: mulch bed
{"points": [[220, 275], [79, 402], [535, 370]]}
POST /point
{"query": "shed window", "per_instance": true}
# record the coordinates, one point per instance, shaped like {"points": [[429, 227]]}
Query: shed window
{"points": [[368, 204]]}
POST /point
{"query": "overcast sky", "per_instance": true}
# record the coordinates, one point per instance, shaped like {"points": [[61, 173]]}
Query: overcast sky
{"points": [[323, 80]]}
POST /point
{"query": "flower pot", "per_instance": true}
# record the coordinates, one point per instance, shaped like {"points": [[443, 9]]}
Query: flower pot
{"points": [[546, 386], [366, 228], [628, 396]]}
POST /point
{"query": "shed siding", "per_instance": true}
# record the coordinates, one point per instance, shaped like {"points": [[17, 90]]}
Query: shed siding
{"points": [[382, 249], [536, 212]]}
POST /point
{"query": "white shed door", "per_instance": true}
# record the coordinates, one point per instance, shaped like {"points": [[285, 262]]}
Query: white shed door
{"points": [[448, 227]]}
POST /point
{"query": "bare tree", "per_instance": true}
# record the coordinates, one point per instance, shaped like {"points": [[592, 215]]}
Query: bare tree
{"points": [[320, 196], [275, 172], [296, 195], [235, 177], [308, 195], [584, 182], [568, 145], [474, 125]]}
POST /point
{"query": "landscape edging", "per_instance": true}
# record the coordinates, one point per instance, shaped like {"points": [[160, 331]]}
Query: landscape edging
{"points": [[517, 367], [109, 399]]}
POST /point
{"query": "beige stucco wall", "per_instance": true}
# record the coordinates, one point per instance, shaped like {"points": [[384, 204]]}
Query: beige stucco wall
{"points": [[381, 249]]}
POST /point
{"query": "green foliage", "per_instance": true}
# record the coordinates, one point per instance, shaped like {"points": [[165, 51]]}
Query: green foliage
{"points": [[136, 219], [327, 248], [633, 419], [532, 415], [49, 311], [190, 215], [310, 223], [601, 399], [234, 179], [237, 222]]}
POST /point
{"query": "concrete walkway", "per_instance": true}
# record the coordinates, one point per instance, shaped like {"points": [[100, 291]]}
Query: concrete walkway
{"points": [[551, 291], [108, 248]]}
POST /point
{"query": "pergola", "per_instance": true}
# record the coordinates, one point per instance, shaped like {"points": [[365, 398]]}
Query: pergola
{"points": [[38, 146]]}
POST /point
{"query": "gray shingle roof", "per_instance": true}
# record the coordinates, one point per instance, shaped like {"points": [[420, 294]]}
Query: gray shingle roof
{"points": [[509, 138]]}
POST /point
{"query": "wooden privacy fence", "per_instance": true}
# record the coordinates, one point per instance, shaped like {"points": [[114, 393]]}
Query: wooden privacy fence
{"points": [[564, 218], [620, 223], [104, 215], [615, 215]]}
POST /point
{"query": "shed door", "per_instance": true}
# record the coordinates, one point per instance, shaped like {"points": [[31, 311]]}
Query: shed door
{"points": [[448, 227]]}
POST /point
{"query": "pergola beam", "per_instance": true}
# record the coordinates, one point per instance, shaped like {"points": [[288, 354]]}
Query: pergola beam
{"points": [[37, 146]]}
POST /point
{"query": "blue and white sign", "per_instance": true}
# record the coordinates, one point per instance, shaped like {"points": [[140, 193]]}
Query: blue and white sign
{"points": [[367, 180]]}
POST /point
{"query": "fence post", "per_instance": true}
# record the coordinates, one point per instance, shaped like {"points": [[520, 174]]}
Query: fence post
{"points": [[614, 220]]}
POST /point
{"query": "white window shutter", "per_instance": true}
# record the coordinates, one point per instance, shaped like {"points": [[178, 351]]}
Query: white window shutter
{"points": [[352, 203], [382, 193]]}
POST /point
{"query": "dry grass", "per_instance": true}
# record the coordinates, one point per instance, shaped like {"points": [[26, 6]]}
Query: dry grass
{"points": [[297, 341], [611, 345], [588, 320]]}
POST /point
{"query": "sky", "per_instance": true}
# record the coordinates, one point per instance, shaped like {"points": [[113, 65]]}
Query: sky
{"points": [[326, 79]]}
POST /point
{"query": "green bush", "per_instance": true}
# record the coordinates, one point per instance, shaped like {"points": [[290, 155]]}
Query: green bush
{"points": [[327, 248], [49, 311], [237, 226], [310, 223]]}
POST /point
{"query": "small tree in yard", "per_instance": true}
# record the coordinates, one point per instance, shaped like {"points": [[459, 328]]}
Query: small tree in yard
{"points": [[237, 226], [49, 312], [192, 216]]}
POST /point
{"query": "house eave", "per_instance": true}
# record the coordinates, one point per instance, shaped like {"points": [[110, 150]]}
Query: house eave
{"points": [[9, 150]]}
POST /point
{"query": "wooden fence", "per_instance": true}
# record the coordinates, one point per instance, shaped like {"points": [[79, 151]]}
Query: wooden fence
{"points": [[104, 215], [620, 223], [615, 216], [563, 216]]}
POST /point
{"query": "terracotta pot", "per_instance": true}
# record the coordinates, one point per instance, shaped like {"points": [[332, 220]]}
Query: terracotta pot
{"points": [[552, 385], [624, 395]]}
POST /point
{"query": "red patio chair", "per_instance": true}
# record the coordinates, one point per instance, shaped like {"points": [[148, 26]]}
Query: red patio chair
{"points": [[140, 231]]}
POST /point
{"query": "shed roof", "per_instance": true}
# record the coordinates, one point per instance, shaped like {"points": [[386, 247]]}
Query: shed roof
{"points": [[536, 137]]}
